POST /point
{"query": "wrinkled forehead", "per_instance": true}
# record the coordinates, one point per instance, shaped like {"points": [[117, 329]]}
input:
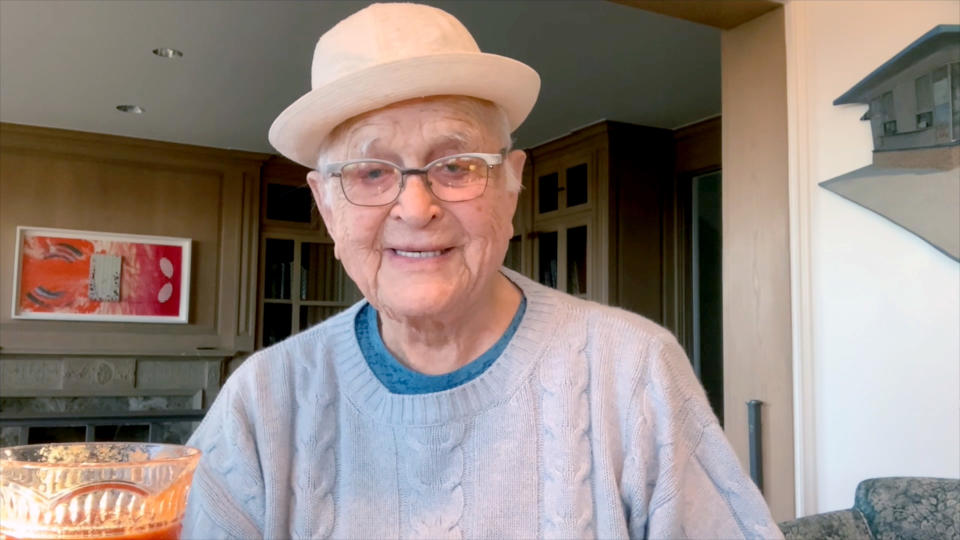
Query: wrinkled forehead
{"points": [[418, 126]]}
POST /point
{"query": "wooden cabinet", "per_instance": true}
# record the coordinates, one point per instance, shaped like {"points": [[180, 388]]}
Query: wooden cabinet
{"points": [[72, 180], [301, 282], [590, 220]]}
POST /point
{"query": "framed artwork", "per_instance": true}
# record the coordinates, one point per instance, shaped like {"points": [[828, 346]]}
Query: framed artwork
{"points": [[94, 276]]}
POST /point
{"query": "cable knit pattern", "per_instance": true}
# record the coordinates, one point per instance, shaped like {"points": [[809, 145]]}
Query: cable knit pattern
{"points": [[567, 501], [223, 432], [432, 465], [589, 424], [313, 459]]}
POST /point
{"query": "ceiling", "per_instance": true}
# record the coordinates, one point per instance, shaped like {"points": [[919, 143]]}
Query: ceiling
{"points": [[68, 64]]}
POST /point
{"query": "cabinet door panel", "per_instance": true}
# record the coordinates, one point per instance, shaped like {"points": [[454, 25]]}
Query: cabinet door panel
{"points": [[565, 257], [548, 192], [316, 288], [278, 268], [577, 257], [293, 203], [322, 277], [564, 184], [514, 257], [548, 258], [577, 185], [277, 322], [311, 315]]}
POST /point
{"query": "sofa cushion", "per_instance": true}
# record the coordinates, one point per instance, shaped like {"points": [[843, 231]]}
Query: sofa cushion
{"points": [[910, 508]]}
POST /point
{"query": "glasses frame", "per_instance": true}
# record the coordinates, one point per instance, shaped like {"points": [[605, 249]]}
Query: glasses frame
{"points": [[492, 160]]}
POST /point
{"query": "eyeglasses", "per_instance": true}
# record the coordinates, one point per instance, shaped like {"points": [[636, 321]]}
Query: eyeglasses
{"points": [[375, 182]]}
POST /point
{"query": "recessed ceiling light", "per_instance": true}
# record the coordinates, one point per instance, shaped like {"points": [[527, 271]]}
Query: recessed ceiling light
{"points": [[167, 52], [135, 109]]}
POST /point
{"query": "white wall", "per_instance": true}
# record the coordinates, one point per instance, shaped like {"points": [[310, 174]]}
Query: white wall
{"points": [[878, 317]]}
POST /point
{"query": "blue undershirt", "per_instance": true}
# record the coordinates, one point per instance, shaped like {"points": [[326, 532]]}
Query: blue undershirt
{"points": [[400, 379]]}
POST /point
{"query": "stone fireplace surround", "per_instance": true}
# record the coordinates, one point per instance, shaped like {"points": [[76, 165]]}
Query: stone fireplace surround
{"points": [[56, 388]]}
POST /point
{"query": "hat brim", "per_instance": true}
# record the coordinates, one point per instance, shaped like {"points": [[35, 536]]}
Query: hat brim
{"points": [[301, 128]]}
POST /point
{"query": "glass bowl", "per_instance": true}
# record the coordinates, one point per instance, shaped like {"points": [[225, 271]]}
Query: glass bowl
{"points": [[117, 490]]}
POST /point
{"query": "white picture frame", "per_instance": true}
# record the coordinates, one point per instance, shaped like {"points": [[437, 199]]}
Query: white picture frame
{"points": [[135, 278]]}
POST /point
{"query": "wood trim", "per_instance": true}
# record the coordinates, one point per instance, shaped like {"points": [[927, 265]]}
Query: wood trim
{"points": [[574, 138], [799, 166], [250, 252], [757, 325], [104, 146], [723, 14]]}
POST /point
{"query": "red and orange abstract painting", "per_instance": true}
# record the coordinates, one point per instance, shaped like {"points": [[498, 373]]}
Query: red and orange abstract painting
{"points": [[101, 276]]}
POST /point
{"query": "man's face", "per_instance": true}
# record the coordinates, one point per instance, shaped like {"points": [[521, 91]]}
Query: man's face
{"points": [[420, 257]]}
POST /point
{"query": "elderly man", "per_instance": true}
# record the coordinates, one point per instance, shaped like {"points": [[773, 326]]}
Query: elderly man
{"points": [[458, 399]]}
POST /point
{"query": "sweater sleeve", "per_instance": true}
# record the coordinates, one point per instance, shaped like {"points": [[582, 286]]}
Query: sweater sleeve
{"points": [[227, 494], [692, 483]]}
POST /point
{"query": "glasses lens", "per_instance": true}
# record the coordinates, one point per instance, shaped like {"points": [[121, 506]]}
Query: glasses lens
{"points": [[370, 182], [458, 178]]}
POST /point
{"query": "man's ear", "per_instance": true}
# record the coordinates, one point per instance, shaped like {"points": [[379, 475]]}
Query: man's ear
{"points": [[515, 161], [514, 167], [316, 182]]}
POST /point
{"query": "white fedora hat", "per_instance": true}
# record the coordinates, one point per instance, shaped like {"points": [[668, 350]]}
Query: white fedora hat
{"points": [[387, 53]]}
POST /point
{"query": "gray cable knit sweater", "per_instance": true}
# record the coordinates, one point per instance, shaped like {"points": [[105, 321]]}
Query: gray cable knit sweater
{"points": [[591, 424]]}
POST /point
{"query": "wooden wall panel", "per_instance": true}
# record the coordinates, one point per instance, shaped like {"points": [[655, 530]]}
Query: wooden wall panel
{"points": [[757, 343], [71, 180]]}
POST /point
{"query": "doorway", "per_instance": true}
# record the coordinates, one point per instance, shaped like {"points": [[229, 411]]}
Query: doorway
{"points": [[706, 285]]}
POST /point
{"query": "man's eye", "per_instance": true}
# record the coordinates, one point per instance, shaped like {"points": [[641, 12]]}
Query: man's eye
{"points": [[371, 172], [455, 167]]}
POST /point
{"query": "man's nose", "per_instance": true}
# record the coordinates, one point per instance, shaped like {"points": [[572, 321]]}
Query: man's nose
{"points": [[416, 203]]}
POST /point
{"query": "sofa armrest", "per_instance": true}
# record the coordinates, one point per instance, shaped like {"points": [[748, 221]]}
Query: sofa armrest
{"points": [[839, 525], [910, 507]]}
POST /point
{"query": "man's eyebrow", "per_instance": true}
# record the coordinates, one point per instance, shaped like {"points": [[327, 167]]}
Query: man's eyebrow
{"points": [[456, 137], [364, 146], [455, 141]]}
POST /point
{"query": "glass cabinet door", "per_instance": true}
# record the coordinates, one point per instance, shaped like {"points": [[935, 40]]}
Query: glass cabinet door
{"points": [[277, 322], [277, 312], [289, 203], [548, 192], [563, 185], [577, 260], [325, 288], [514, 257], [548, 256], [577, 184], [323, 278], [303, 284], [278, 269], [562, 257]]}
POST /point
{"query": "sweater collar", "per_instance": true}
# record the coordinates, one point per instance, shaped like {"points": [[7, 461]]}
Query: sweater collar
{"points": [[495, 385]]}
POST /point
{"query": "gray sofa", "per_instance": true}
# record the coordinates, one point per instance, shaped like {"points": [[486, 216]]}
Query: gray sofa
{"points": [[887, 509]]}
